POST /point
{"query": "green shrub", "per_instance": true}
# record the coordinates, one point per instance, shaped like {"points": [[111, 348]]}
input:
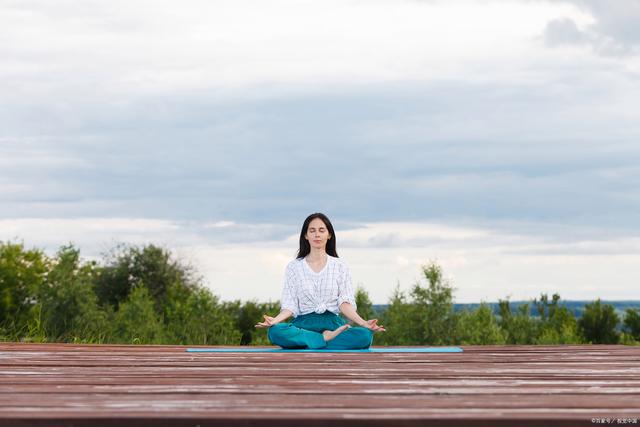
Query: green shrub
{"points": [[136, 321], [431, 310], [67, 302], [598, 323], [394, 319], [22, 273], [363, 303], [150, 266], [632, 323], [557, 323], [478, 327], [519, 328], [195, 316]]}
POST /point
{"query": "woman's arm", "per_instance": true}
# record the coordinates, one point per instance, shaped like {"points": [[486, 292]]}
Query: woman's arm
{"points": [[348, 310], [270, 321]]}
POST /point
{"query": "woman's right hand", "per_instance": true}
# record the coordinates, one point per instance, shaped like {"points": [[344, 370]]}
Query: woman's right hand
{"points": [[267, 323]]}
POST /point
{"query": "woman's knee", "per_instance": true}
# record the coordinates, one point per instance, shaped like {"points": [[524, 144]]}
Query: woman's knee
{"points": [[363, 336], [276, 331]]}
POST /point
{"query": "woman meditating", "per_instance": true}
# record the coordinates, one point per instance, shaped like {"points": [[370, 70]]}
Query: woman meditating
{"points": [[317, 287]]}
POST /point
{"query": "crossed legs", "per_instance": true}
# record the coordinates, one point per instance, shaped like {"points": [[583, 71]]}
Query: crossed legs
{"points": [[287, 335]]}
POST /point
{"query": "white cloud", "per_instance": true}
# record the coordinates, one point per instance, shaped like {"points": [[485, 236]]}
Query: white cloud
{"points": [[115, 50], [92, 234], [565, 31], [219, 224], [407, 235], [613, 31], [617, 20]]}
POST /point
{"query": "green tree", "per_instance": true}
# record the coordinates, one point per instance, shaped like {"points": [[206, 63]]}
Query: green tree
{"points": [[128, 267], [478, 327], [557, 324], [632, 322], [519, 327], [249, 312], [394, 319], [259, 336], [425, 317], [599, 322], [363, 303], [22, 273], [66, 302], [432, 308], [136, 321], [245, 317], [195, 316]]}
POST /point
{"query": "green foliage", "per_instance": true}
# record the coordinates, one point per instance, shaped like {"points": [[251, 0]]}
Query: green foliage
{"points": [[627, 339], [68, 305], [196, 317], [519, 328], [598, 323], [363, 303], [426, 318], [246, 316], [142, 295], [432, 309], [632, 323], [35, 328], [479, 327], [146, 297], [395, 322], [246, 320], [565, 335], [129, 267], [557, 323], [22, 272], [631, 327], [136, 321]]}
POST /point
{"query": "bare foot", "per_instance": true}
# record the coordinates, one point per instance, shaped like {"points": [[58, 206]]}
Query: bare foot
{"points": [[329, 335]]}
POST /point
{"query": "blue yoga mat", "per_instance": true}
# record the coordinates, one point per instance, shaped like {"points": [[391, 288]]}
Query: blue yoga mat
{"points": [[306, 350]]}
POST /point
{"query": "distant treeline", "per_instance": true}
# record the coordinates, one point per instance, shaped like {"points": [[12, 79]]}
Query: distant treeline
{"points": [[143, 295], [575, 306]]}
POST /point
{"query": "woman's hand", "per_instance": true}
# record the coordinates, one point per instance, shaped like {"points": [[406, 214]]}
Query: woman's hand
{"points": [[267, 323], [373, 325]]}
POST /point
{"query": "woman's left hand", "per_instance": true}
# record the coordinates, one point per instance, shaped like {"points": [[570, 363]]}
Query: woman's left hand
{"points": [[373, 325]]}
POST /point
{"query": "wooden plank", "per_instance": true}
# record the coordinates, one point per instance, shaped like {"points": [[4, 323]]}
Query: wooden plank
{"points": [[82, 385]]}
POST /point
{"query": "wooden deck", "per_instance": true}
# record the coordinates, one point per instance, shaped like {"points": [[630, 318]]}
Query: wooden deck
{"points": [[90, 385]]}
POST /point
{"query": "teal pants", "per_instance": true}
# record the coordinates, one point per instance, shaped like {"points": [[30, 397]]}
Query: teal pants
{"points": [[305, 331]]}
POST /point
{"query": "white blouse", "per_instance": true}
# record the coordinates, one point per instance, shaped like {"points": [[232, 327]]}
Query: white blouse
{"points": [[306, 291]]}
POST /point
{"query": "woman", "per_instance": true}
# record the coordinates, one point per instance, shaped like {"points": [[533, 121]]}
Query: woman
{"points": [[317, 286]]}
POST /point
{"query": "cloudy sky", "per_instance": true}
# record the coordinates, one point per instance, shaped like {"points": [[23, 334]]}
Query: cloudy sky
{"points": [[500, 138]]}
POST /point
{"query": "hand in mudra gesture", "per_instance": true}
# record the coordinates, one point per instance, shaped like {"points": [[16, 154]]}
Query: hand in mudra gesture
{"points": [[267, 323], [373, 325]]}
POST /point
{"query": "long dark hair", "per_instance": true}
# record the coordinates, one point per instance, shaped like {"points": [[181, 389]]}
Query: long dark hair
{"points": [[305, 247]]}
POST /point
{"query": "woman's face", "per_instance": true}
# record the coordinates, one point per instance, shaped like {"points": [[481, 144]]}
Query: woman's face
{"points": [[317, 234]]}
